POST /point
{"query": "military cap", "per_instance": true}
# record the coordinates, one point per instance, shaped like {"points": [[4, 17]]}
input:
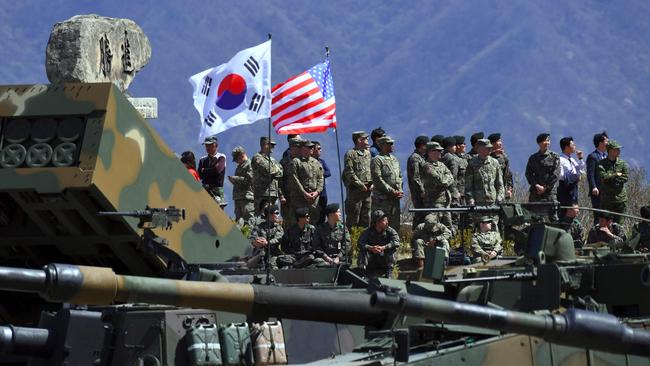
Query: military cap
{"points": [[266, 140], [307, 143], [302, 212], [271, 209], [448, 142], [484, 143], [542, 137], [331, 208], [315, 142], [475, 137], [237, 151], [438, 138], [485, 219], [377, 215], [295, 141], [431, 219], [357, 134], [432, 145], [613, 144], [385, 140], [459, 139], [494, 137], [210, 140], [421, 140]]}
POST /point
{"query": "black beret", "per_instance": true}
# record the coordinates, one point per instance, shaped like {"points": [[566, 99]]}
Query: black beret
{"points": [[421, 140], [331, 208], [459, 139], [437, 138], [542, 136], [271, 209], [607, 215], [448, 142], [302, 212], [475, 137], [494, 137]]}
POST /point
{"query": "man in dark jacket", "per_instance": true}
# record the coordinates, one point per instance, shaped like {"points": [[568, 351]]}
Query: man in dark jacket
{"points": [[212, 168], [600, 142], [378, 246]]}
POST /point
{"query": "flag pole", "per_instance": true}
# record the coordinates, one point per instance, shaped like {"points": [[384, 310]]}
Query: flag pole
{"points": [[268, 199], [338, 155]]}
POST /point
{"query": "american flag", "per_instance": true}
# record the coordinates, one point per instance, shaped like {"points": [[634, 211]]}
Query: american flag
{"points": [[305, 103]]}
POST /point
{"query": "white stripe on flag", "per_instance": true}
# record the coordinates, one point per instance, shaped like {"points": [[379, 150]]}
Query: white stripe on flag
{"points": [[300, 117]]}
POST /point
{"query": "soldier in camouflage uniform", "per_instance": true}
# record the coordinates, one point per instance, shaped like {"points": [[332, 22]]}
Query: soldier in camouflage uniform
{"points": [[642, 230], [242, 185], [504, 162], [429, 233], [331, 245], [613, 175], [462, 167], [378, 246], [265, 167], [357, 180], [542, 171], [573, 226], [438, 182], [607, 231], [413, 167], [473, 139], [296, 243], [486, 243], [266, 235], [291, 153], [387, 181], [483, 181], [306, 183], [452, 162]]}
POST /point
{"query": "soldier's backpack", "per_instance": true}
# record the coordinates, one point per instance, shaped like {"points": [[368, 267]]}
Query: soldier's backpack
{"points": [[268, 344], [236, 346], [203, 347]]}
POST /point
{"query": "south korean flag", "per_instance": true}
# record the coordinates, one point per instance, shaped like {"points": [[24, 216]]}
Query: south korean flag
{"points": [[235, 93]]}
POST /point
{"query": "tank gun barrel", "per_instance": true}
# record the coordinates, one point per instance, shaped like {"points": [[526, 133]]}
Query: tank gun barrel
{"points": [[576, 328], [101, 286], [24, 341]]}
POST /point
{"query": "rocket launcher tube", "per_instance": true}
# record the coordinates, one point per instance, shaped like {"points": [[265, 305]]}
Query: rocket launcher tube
{"points": [[101, 286], [575, 327]]}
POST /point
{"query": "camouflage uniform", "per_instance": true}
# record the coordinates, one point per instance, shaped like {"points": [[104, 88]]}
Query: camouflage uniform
{"points": [[573, 226], [642, 229], [387, 180], [274, 238], [330, 241], [430, 232], [506, 173], [356, 176], [596, 236], [543, 169], [483, 181], [483, 243], [242, 191], [296, 247], [452, 162], [460, 178], [262, 187], [613, 195], [284, 182], [305, 176], [438, 181], [416, 187], [385, 261]]}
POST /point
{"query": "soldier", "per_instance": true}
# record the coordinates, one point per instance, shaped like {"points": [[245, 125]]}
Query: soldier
{"points": [[600, 141], [571, 171], [607, 231], [212, 168], [542, 171], [437, 138], [452, 162], [266, 235], [265, 168], [501, 156], [642, 230], [438, 181], [331, 243], [413, 167], [375, 135], [242, 185], [378, 245], [296, 243], [305, 182], [486, 243], [612, 173], [322, 199], [429, 233], [483, 178], [473, 139], [387, 181], [358, 182], [573, 225], [462, 167], [292, 152], [287, 153]]}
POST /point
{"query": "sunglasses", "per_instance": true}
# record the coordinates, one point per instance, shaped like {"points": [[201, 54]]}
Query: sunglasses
{"points": [[276, 212]]}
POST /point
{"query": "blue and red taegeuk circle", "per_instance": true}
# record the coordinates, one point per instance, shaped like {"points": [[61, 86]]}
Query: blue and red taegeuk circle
{"points": [[231, 92]]}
